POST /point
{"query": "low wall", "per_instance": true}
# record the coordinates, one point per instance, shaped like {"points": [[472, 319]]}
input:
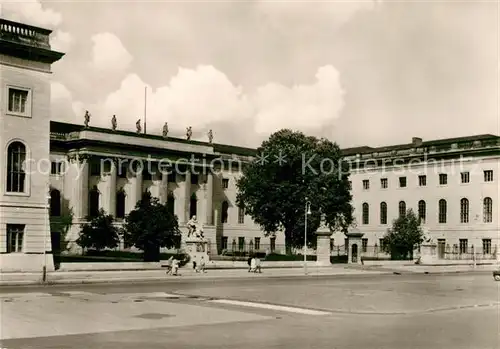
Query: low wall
{"points": [[103, 266], [385, 263]]}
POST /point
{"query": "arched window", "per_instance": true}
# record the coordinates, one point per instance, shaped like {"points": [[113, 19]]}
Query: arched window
{"points": [[16, 175], [383, 213], [171, 203], [224, 213], [55, 203], [193, 203], [421, 210], [487, 210], [402, 209], [120, 204], [442, 207], [366, 213], [241, 214], [94, 202], [464, 210]]}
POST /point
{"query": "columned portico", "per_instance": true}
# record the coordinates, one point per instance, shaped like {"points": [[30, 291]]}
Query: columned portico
{"points": [[80, 167], [136, 189], [164, 188]]}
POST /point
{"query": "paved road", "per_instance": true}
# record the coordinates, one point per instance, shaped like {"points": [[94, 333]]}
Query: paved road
{"points": [[390, 311]]}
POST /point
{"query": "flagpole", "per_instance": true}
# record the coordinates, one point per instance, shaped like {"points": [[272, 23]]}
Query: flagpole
{"points": [[145, 100]]}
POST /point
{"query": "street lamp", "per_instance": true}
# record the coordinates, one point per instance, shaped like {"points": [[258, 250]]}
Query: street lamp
{"points": [[307, 212], [47, 234]]}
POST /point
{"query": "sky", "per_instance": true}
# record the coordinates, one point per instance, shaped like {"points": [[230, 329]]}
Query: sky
{"points": [[357, 72]]}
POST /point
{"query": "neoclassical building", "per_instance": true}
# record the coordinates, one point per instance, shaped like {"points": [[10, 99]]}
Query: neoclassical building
{"points": [[451, 183]]}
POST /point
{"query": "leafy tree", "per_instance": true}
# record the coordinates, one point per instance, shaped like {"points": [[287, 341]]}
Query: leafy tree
{"points": [[405, 234], [289, 168], [99, 233], [150, 226]]}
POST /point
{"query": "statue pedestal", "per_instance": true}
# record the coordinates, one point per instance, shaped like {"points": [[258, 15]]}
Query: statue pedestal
{"points": [[428, 253], [323, 247], [354, 248], [196, 249]]}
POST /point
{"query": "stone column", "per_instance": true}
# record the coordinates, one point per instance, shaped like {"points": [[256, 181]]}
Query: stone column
{"points": [[187, 194], [164, 188], [136, 192], [81, 187], [112, 189], [209, 193]]}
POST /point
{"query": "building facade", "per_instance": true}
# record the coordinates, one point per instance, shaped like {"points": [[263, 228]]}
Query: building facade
{"points": [[25, 68], [452, 184]]}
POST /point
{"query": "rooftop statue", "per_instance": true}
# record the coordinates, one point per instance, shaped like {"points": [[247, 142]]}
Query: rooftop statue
{"points": [[165, 130], [87, 118], [114, 124], [189, 133], [210, 136], [138, 126]]}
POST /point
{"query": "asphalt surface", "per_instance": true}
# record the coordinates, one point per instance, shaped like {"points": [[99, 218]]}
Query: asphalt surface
{"points": [[381, 311]]}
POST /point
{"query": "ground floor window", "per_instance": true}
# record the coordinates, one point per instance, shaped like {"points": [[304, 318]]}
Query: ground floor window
{"points": [[257, 243], [463, 246], [486, 246], [273, 244], [15, 238], [224, 243], [364, 245], [241, 243]]}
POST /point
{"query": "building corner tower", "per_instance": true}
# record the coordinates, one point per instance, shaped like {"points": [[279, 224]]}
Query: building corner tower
{"points": [[25, 70]]}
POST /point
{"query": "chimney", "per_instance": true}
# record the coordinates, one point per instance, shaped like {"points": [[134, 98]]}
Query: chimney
{"points": [[416, 141]]}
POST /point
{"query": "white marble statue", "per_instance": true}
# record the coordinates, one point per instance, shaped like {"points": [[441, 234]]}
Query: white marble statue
{"points": [[194, 228]]}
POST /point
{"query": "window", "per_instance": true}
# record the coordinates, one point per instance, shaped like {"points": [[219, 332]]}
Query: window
{"points": [[443, 179], [15, 238], [194, 179], [272, 244], [225, 183], [241, 243], [383, 213], [486, 246], [95, 168], [55, 203], [364, 245], [366, 184], [421, 210], [56, 168], [224, 243], [381, 242], [402, 182], [224, 214], [465, 177], [193, 203], [366, 213], [487, 210], [120, 204], [442, 207], [384, 183], [122, 170], [16, 175], [402, 209], [463, 246], [488, 176], [19, 102], [171, 203], [464, 210], [172, 178], [241, 215], [422, 180], [257, 243], [94, 202]]}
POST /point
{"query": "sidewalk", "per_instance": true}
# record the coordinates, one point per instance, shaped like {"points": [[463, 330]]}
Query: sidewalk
{"points": [[84, 277], [87, 277]]}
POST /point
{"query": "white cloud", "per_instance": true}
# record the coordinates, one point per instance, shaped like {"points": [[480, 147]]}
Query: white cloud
{"points": [[108, 53], [61, 41], [64, 108], [204, 96], [30, 12]]}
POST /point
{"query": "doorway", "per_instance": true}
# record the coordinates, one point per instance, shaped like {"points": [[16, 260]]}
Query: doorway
{"points": [[354, 253]]}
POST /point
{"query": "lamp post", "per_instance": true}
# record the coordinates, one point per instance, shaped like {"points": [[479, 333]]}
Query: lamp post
{"points": [[47, 234], [307, 212]]}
